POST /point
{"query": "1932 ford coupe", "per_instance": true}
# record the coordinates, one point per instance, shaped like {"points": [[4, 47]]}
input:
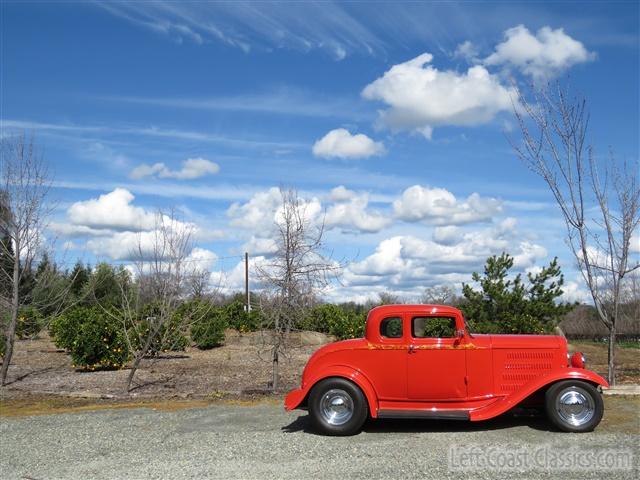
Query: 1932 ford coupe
{"points": [[420, 361]]}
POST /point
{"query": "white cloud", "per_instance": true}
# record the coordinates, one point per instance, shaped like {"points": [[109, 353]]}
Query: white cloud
{"points": [[258, 213], [201, 259], [546, 54], [447, 235], [352, 213], [439, 206], [634, 245], [131, 245], [421, 97], [467, 51], [70, 230], [260, 246], [191, 168], [386, 260], [341, 194], [340, 143], [111, 211]]}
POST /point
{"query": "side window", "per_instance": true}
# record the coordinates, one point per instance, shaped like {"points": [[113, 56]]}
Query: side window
{"points": [[433, 327], [391, 327]]}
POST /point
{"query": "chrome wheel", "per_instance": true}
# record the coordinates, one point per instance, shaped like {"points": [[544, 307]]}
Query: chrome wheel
{"points": [[336, 407], [575, 406]]}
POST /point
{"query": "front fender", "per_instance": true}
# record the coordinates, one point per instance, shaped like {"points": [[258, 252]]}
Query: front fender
{"points": [[510, 401], [295, 398]]}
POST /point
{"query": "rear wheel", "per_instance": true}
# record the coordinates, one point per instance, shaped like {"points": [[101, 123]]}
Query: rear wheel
{"points": [[574, 406], [337, 407]]}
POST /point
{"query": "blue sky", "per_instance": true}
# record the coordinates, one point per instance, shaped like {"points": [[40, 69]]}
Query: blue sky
{"points": [[391, 119]]}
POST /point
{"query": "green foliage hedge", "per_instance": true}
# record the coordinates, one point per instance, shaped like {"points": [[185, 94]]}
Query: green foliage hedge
{"points": [[238, 318], [167, 337], [29, 323], [333, 320], [92, 336], [208, 323]]}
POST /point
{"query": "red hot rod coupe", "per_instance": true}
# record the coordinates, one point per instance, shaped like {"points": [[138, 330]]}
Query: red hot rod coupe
{"points": [[420, 361]]}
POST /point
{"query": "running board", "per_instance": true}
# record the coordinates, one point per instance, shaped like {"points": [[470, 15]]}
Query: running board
{"points": [[439, 414]]}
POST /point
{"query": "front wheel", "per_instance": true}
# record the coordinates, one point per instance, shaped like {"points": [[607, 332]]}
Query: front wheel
{"points": [[337, 407], [574, 406]]}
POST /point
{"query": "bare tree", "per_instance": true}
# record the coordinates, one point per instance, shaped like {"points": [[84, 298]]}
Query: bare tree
{"points": [[163, 274], [294, 276], [439, 295], [23, 215], [554, 146]]}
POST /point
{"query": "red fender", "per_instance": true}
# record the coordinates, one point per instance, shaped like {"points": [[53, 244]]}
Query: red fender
{"points": [[295, 398], [510, 401]]}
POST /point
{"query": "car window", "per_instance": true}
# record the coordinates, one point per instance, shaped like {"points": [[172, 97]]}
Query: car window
{"points": [[391, 327], [433, 327]]}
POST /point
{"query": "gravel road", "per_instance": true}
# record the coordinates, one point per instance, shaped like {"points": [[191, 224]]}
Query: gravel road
{"points": [[262, 441]]}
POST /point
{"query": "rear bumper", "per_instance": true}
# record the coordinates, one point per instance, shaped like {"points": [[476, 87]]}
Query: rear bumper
{"points": [[294, 398]]}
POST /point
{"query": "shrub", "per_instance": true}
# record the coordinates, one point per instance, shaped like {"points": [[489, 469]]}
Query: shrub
{"points": [[64, 329], [30, 322], [208, 324], [333, 320], [93, 337], [169, 337], [238, 319]]}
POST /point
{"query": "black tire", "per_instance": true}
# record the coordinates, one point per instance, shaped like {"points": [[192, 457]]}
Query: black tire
{"points": [[337, 407], [574, 406]]}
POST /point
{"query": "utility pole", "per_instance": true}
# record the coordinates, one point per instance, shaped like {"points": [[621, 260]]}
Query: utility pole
{"points": [[246, 282]]}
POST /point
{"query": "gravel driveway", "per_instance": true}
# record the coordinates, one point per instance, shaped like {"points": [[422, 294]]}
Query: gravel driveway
{"points": [[262, 441]]}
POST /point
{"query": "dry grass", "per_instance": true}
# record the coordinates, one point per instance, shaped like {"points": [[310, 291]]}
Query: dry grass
{"points": [[28, 405], [628, 360]]}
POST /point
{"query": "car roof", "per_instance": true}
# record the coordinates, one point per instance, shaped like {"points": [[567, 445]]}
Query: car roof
{"points": [[430, 309]]}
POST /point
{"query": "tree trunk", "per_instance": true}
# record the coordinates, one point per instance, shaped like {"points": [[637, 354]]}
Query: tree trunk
{"points": [[611, 372], [138, 358], [274, 379], [10, 332]]}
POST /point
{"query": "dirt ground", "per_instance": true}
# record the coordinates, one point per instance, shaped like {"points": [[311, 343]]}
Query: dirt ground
{"points": [[239, 369]]}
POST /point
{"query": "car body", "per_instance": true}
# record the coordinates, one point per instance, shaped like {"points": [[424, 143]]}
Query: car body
{"points": [[420, 361]]}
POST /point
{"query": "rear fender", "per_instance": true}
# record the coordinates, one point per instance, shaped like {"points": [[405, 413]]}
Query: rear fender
{"points": [[341, 371], [510, 401]]}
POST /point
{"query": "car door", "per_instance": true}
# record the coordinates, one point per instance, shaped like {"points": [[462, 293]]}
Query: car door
{"points": [[436, 365]]}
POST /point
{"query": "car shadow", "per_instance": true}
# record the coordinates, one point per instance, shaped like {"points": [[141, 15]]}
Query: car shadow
{"points": [[536, 421]]}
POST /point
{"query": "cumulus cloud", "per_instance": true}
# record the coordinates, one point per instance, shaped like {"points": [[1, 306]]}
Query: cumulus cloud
{"points": [[441, 207], [111, 211], [546, 54], [136, 245], [340, 143], [467, 51], [386, 260], [265, 208], [260, 246], [351, 212], [201, 259], [191, 168], [420, 96], [341, 194], [634, 245], [409, 263], [258, 213]]}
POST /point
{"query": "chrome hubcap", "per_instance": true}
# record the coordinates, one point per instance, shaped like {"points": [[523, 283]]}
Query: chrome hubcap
{"points": [[336, 407], [575, 406]]}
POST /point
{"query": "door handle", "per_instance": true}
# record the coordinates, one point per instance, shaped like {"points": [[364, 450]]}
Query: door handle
{"points": [[412, 349]]}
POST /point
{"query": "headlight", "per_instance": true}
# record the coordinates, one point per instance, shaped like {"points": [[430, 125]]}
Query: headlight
{"points": [[578, 360]]}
